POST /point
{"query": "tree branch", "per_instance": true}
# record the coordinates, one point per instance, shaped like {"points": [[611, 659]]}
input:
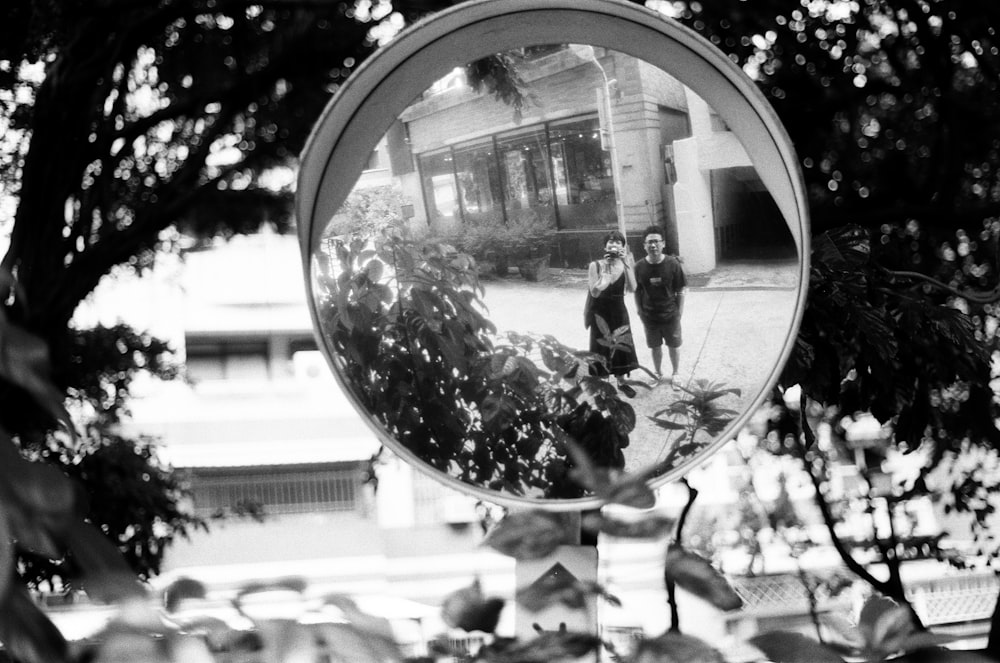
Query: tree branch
{"points": [[986, 297], [828, 519]]}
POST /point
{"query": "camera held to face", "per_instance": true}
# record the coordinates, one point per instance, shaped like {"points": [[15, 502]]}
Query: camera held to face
{"points": [[612, 254]]}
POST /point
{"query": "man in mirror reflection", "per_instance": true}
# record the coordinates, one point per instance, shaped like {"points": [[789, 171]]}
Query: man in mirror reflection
{"points": [[610, 330], [659, 299]]}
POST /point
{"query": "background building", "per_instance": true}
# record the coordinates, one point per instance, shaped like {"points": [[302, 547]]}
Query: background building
{"points": [[260, 428]]}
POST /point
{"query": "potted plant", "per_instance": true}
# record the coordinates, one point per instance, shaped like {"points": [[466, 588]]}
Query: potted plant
{"points": [[529, 241]]}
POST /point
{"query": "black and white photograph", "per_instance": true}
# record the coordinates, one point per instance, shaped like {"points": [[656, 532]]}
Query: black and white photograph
{"points": [[498, 331]]}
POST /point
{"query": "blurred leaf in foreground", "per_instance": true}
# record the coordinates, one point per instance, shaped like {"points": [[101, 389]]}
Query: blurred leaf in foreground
{"points": [[470, 610], [561, 588], [642, 526], [672, 647], [549, 646], [787, 647], [696, 575], [612, 486], [530, 534]]}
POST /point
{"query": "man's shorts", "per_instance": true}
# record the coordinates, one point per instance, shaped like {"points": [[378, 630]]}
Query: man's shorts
{"points": [[661, 333]]}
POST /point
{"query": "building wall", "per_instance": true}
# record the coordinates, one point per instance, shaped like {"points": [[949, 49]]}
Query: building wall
{"points": [[564, 85], [672, 162]]}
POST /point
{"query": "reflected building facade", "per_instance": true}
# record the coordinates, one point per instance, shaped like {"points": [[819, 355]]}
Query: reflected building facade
{"points": [[603, 141]]}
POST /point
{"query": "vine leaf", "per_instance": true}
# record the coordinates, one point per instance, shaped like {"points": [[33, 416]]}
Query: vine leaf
{"points": [[648, 526], [673, 647], [788, 647], [27, 634], [470, 610], [529, 534], [888, 628], [562, 588], [24, 361], [843, 248], [695, 574], [180, 590], [612, 486], [107, 577], [548, 646]]}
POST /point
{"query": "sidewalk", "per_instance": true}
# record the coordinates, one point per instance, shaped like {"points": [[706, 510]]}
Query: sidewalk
{"points": [[736, 320]]}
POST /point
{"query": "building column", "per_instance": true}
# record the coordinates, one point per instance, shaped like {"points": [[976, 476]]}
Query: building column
{"points": [[694, 159]]}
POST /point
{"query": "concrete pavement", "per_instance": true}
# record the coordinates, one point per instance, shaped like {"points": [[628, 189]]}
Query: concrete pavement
{"points": [[736, 321]]}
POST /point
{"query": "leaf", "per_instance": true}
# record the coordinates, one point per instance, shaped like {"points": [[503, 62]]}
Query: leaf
{"points": [[871, 612], [348, 643], [181, 589], [941, 655], [672, 647], [121, 644], [696, 575], [106, 575], [891, 630], [24, 361], [374, 270], [561, 588], [189, 649], [549, 646], [668, 425], [26, 633], [648, 526], [469, 610], [787, 647], [612, 487], [371, 624], [841, 634], [529, 534], [843, 248], [602, 325]]}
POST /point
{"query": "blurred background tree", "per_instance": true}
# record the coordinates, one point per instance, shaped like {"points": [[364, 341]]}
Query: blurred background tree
{"points": [[892, 107], [131, 129]]}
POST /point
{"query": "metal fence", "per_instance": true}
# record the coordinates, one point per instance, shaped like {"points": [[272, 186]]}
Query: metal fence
{"points": [[277, 491], [951, 598]]}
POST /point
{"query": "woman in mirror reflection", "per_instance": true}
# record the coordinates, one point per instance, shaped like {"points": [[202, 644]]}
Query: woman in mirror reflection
{"points": [[610, 331]]}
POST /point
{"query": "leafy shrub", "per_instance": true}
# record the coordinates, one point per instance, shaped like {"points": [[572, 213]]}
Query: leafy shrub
{"points": [[408, 321], [369, 211]]}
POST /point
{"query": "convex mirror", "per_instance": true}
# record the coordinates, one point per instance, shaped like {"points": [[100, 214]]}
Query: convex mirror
{"points": [[454, 203]]}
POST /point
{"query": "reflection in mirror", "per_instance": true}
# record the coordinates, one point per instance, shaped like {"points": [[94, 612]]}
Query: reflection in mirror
{"points": [[452, 284]]}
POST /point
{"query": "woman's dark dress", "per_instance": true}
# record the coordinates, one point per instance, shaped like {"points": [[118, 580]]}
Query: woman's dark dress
{"points": [[610, 305]]}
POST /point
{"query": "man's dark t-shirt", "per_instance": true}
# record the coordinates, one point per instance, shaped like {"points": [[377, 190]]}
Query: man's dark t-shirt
{"points": [[656, 289]]}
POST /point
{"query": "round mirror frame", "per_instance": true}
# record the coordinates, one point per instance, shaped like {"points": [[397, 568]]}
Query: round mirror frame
{"points": [[363, 109]]}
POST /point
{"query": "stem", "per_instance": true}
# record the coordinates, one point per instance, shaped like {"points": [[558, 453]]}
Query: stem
{"points": [[985, 297], [682, 520], [828, 518], [675, 621], [675, 618], [811, 597]]}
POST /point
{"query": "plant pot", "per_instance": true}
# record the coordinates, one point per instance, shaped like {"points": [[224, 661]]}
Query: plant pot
{"points": [[501, 264], [534, 269]]}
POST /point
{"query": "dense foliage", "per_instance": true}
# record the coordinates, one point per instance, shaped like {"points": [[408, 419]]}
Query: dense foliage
{"points": [[409, 322]]}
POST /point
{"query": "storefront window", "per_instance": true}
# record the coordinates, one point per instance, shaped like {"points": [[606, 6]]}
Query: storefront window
{"points": [[584, 186], [478, 182], [525, 173], [530, 174], [440, 193]]}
